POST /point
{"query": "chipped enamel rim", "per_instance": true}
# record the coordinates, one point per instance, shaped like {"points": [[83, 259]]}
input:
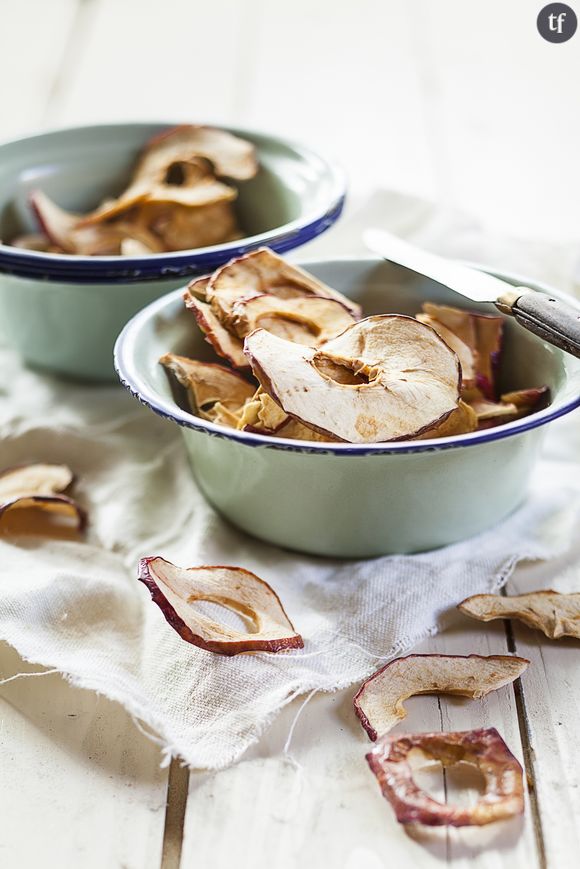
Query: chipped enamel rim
{"points": [[124, 359]]}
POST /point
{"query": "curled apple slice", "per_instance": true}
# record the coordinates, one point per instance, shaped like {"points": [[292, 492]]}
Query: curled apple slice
{"points": [[481, 333], [555, 614], [177, 591], [263, 272], [410, 379], [308, 320], [465, 354], [379, 701], [40, 485], [225, 344], [214, 392], [62, 228], [503, 796], [230, 156]]}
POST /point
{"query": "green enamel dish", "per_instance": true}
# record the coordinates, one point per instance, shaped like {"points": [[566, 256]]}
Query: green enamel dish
{"points": [[62, 312], [350, 500]]}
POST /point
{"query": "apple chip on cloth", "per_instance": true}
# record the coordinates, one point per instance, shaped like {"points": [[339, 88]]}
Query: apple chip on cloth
{"points": [[78, 606]]}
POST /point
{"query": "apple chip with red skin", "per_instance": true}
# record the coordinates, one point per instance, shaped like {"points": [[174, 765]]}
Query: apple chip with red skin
{"points": [[308, 320], [555, 614], [406, 379], [226, 345], [511, 406], [177, 590], [215, 392], [481, 334], [262, 272], [39, 485], [379, 701], [503, 796]]}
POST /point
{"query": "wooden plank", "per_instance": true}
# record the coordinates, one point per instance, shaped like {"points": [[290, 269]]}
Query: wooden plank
{"points": [[342, 77], [319, 804], [551, 703], [81, 786], [33, 37], [498, 98], [175, 60]]}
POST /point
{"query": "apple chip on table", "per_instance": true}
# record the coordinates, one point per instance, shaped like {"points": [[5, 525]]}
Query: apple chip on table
{"points": [[315, 369], [555, 614], [180, 197]]}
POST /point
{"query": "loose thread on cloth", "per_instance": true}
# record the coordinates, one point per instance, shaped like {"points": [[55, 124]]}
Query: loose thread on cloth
{"points": [[29, 675]]}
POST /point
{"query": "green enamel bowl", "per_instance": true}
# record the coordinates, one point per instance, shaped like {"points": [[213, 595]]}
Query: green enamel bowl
{"points": [[63, 313], [349, 500]]}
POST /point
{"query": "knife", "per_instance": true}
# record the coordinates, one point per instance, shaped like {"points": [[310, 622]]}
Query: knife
{"points": [[550, 318]]}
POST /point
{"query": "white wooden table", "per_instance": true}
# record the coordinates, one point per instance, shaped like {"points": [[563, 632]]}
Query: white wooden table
{"points": [[460, 102]]}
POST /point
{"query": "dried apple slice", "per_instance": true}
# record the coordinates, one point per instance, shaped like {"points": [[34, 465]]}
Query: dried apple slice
{"points": [[40, 485], [177, 590], [182, 227], [264, 272], [465, 354], [555, 614], [503, 796], [228, 346], [32, 241], [63, 230], [262, 415], [379, 701], [214, 392], [483, 335], [309, 320], [230, 156], [412, 379], [527, 400], [511, 406], [462, 421], [197, 288]]}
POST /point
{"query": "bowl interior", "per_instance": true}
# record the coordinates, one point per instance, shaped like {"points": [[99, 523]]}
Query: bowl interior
{"points": [[78, 168], [166, 326]]}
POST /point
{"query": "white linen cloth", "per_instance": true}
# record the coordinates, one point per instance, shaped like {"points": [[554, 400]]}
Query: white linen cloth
{"points": [[77, 606]]}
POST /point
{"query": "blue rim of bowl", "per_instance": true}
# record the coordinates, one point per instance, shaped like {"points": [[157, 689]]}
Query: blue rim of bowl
{"points": [[170, 411], [69, 268]]}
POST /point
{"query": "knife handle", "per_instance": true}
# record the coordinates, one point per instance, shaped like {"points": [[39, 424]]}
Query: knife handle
{"points": [[550, 318]]}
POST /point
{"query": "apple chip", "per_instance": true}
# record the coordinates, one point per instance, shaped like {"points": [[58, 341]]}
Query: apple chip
{"points": [[308, 320], [62, 228], [511, 406], [230, 156], [215, 393], [228, 346], [262, 272], [503, 797], [411, 379], [481, 333], [182, 227], [462, 421], [177, 591], [33, 241], [379, 701], [465, 354], [555, 614], [39, 485], [262, 415]]}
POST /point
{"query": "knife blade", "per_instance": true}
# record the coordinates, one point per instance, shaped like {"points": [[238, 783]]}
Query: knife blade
{"points": [[548, 317]]}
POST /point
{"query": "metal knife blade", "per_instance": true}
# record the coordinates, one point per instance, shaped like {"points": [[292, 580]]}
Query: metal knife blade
{"points": [[470, 283]]}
